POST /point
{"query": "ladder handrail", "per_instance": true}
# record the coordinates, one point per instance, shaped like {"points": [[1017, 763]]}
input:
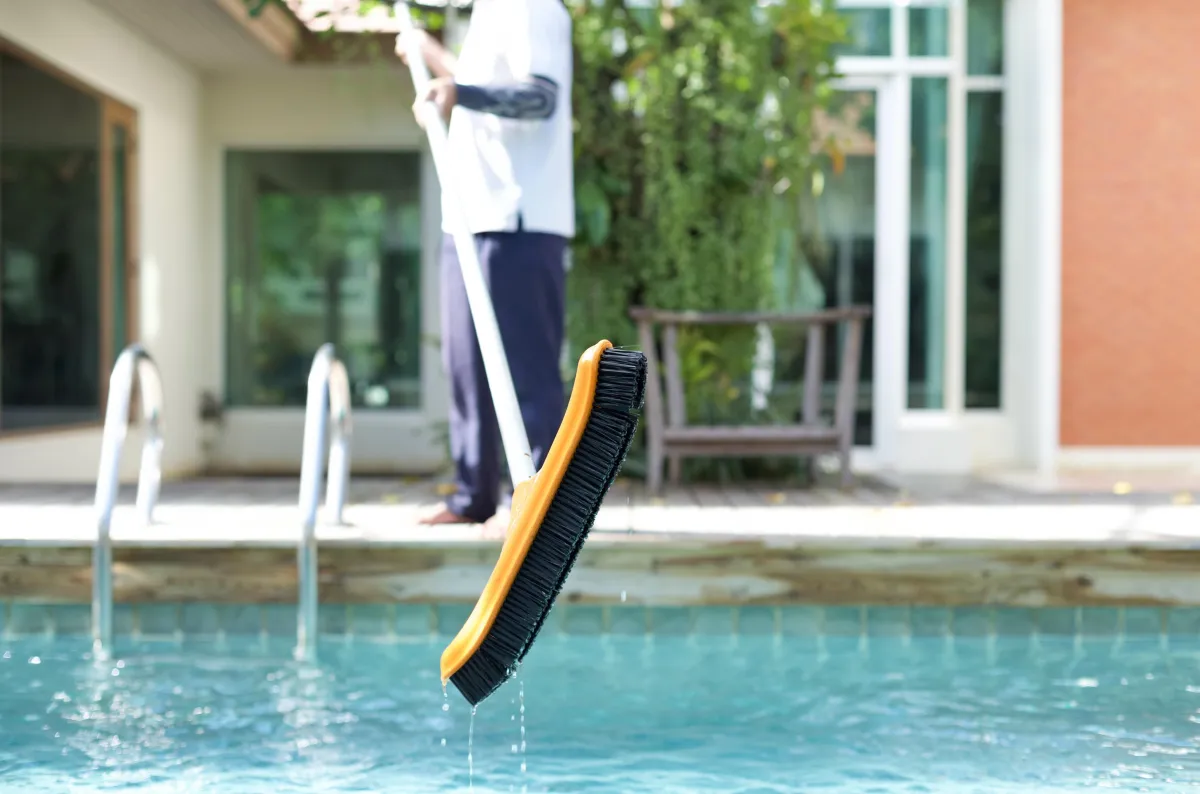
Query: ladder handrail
{"points": [[133, 362], [328, 396]]}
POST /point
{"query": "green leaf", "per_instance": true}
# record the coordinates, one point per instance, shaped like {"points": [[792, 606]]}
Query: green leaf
{"points": [[593, 212]]}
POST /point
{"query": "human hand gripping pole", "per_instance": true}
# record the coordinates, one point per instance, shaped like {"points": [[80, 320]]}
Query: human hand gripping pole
{"points": [[553, 509], [487, 330]]}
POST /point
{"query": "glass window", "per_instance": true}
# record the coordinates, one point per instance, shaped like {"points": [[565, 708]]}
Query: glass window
{"points": [[929, 31], [985, 177], [324, 247], [119, 199], [870, 31], [985, 37], [927, 245], [50, 265]]}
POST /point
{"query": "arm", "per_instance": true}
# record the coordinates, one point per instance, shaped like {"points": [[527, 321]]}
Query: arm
{"points": [[532, 99], [537, 49], [441, 62]]}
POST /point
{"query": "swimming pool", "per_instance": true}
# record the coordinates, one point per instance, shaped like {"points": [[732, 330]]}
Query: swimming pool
{"points": [[921, 705]]}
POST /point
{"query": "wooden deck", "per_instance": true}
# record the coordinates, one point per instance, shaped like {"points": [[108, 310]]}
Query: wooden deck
{"points": [[221, 512]]}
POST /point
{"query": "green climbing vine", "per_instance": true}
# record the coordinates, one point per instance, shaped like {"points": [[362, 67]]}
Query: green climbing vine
{"points": [[695, 153]]}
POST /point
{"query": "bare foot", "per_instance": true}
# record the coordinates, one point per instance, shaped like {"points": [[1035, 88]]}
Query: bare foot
{"points": [[442, 515], [496, 527]]}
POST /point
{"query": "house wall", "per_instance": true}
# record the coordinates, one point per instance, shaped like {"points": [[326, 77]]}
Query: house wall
{"points": [[94, 47], [1131, 197], [330, 108]]}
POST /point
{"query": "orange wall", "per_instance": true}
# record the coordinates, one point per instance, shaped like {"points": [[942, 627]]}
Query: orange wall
{"points": [[1131, 223]]}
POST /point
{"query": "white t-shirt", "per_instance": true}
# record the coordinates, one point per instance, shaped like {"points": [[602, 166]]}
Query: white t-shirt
{"points": [[510, 168]]}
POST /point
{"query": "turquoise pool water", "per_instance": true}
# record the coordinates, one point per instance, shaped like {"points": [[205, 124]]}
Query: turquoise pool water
{"points": [[697, 713]]}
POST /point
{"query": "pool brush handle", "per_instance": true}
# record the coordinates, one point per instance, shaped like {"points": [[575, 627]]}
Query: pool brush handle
{"points": [[495, 362]]}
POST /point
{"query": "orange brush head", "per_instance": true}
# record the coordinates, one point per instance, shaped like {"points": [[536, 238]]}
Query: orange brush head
{"points": [[531, 500]]}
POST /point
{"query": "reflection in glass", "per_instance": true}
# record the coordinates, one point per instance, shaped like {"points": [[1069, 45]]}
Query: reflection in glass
{"points": [[120, 246], [869, 31], [985, 37], [985, 150], [927, 246], [838, 246], [50, 369], [929, 31], [324, 247]]}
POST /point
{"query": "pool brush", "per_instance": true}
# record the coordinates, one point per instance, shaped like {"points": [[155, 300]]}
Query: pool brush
{"points": [[554, 508]]}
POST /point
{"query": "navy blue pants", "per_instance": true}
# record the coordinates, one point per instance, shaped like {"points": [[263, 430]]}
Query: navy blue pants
{"points": [[525, 274]]}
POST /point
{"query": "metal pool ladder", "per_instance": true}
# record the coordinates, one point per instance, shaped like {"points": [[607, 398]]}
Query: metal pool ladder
{"points": [[133, 361], [328, 395]]}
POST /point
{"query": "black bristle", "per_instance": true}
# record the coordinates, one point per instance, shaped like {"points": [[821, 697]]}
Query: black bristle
{"points": [[620, 390]]}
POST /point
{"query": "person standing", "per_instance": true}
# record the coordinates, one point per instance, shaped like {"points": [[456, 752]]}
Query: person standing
{"points": [[508, 100]]}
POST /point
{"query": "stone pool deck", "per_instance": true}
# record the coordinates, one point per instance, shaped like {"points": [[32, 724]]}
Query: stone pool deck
{"points": [[936, 542]]}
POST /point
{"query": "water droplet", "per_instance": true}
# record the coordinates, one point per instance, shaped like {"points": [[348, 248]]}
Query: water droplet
{"points": [[8, 654], [35, 660], [116, 672], [445, 707], [623, 596], [443, 741], [514, 748]]}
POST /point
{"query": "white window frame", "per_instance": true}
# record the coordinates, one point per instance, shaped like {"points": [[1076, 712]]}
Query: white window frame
{"points": [[905, 437]]}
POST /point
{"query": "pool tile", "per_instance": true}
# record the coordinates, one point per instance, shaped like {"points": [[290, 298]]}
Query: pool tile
{"points": [[451, 617], [714, 620], [843, 621], [1184, 622], [1057, 621], [332, 619], [1100, 622], [26, 619], [555, 622], [414, 620], [670, 620], [279, 620], [972, 622], [888, 621], [200, 620], [241, 619], [627, 619], [1014, 622], [371, 620], [758, 620], [1143, 621], [802, 621], [123, 619], [931, 621], [158, 620], [581, 619], [71, 620]]}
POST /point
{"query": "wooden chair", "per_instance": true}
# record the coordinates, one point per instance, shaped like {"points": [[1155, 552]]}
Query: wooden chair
{"points": [[670, 437]]}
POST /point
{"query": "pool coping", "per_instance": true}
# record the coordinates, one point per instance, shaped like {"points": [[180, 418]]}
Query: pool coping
{"points": [[1022, 555]]}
